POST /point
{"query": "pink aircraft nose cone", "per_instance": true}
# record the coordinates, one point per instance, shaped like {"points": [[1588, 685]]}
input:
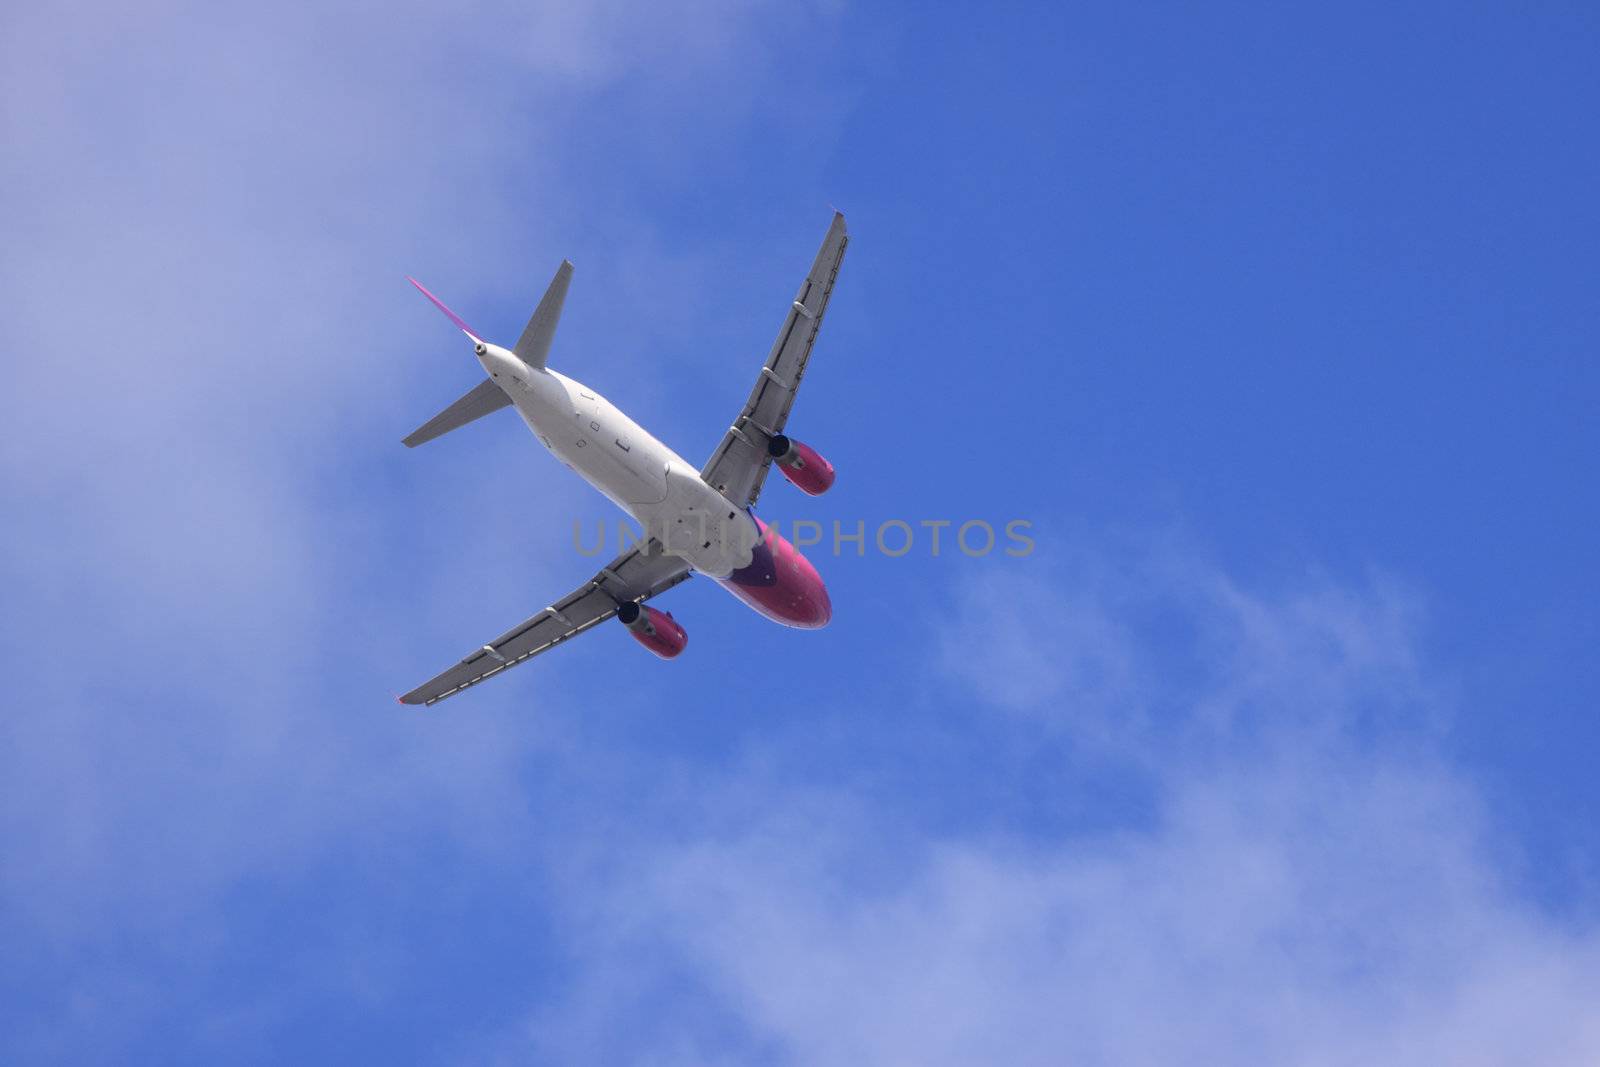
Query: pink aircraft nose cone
{"points": [[782, 584], [822, 608], [812, 606]]}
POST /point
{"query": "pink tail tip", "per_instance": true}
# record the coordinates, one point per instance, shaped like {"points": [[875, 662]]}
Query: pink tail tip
{"points": [[451, 315]]}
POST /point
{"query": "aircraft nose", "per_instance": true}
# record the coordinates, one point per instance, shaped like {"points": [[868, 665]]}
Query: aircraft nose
{"points": [[824, 605], [809, 604]]}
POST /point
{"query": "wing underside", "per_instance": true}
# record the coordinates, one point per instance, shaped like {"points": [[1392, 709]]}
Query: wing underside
{"points": [[637, 575], [738, 467]]}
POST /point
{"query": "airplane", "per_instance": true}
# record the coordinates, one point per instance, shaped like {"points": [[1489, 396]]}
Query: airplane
{"points": [[696, 520]]}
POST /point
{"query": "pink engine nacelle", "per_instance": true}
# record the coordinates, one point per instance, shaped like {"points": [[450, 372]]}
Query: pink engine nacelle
{"points": [[656, 630], [801, 464]]}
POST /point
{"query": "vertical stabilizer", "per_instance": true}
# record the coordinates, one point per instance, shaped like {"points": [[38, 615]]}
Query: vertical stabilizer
{"points": [[451, 315]]}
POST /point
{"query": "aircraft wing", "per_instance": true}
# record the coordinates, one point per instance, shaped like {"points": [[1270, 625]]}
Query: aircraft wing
{"points": [[638, 574], [739, 465]]}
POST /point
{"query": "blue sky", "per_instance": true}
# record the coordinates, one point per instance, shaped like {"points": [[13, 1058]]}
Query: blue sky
{"points": [[1278, 325]]}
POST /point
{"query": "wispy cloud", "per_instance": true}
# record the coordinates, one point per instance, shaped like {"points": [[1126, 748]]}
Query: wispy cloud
{"points": [[209, 210], [1321, 886], [211, 350]]}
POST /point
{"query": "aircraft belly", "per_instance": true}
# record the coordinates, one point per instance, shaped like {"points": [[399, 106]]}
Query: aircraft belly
{"points": [[640, 475], [614, 455], [699, 525]]}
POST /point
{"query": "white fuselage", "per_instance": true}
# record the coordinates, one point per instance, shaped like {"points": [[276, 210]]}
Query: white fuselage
{"points": [[617, 456]]}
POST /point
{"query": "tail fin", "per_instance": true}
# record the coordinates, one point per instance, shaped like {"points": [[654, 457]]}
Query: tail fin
{"points": [[451, 315], [485, 397], [533, 348]]}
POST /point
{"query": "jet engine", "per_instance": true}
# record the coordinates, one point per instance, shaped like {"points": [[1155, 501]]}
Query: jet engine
{"points": [[656, 630], [801, 464]]}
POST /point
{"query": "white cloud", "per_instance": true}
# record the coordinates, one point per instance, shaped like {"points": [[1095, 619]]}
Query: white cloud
{"points": [[213, 354], [209, 212], [1312, 882]]}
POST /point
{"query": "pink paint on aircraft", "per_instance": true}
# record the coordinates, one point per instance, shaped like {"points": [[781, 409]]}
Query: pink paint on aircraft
{"points": [[781, 583], [803, 465]]}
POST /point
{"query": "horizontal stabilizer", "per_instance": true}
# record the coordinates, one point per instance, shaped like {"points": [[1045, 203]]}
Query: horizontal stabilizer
{"points": [[484, 398], [533, 348]]}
